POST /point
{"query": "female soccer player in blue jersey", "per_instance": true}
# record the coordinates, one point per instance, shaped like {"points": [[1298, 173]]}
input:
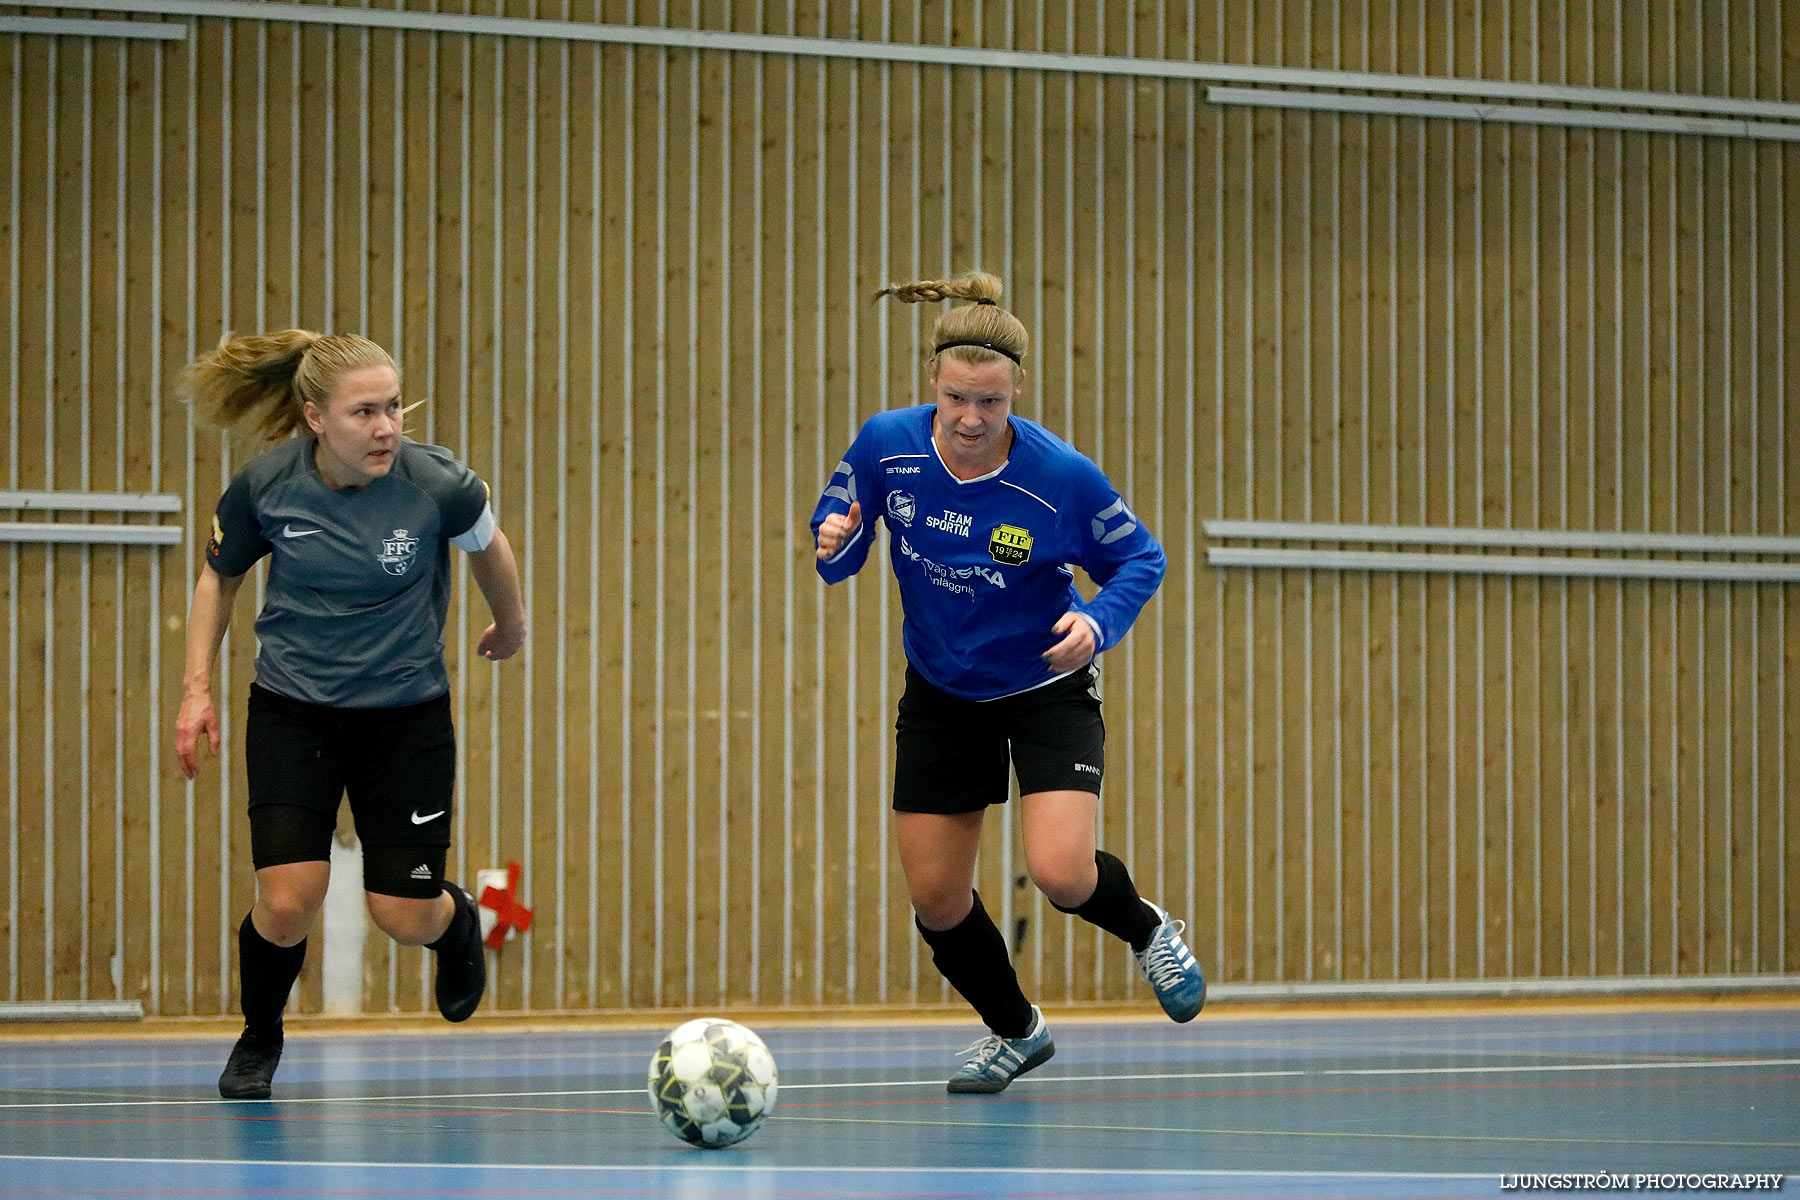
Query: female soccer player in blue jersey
{"points": [[985, 509], [351, 692]]}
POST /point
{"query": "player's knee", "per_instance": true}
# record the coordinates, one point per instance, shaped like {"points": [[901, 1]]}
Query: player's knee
{"points": [[943, 907], [1067, 880], [283, 916], [408, 921]]}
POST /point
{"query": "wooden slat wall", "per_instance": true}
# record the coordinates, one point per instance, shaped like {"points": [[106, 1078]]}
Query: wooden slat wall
{"points": [[632, 284]]}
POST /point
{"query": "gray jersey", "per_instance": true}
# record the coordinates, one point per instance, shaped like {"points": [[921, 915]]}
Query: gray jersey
{"points": [[359, 578]]}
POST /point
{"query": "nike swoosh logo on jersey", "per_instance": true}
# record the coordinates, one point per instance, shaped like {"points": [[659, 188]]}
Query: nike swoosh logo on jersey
{"points": [[290, 531], [418, 820]]}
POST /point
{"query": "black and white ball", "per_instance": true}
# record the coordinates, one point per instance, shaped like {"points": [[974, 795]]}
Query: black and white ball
{"points": [[712, 1082]]}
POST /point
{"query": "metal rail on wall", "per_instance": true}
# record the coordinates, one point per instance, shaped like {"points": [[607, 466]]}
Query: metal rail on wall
{"points": [[1612, 544], [82, 533], [1732, 117]]}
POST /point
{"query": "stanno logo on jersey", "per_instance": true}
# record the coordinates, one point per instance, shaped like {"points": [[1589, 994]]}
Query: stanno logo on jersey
{"points": [[904, 470], [1010, 545], [952, 522], [901, 507], [397, 552]]}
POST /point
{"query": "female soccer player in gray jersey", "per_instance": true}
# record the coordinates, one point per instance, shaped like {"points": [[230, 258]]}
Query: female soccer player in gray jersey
{"points": [[984, 510], [351, 692]]}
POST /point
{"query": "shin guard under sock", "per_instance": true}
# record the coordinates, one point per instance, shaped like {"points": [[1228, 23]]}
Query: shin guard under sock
{"points": [[1115, 905], [266, 974], [972, 956]]}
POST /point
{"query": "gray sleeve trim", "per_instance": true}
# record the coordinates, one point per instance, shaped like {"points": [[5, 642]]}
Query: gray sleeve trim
{"points": [[846, 492], [478, 535]]}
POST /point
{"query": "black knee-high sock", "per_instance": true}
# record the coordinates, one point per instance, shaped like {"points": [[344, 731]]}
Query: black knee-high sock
{"points": [[1115, 905], [266, 974], [972, 956], [465, 922]]}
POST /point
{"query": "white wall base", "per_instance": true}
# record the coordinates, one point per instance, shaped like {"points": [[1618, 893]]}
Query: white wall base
{"points": [[346, 929]]}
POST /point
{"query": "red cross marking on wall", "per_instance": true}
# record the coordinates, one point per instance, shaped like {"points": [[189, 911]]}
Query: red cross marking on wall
{"points": [[508, 912]]}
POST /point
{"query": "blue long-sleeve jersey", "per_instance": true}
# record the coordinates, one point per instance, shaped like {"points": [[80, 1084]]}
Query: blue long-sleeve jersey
{"points": [[982, 563]]}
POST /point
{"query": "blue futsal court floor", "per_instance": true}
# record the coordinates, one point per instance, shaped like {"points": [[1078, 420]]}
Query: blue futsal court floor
{"points": [[1239, 1104]]}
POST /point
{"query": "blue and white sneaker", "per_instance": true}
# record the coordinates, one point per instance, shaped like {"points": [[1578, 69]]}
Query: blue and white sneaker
{"points": [[995, 1061], [1168, 966]]}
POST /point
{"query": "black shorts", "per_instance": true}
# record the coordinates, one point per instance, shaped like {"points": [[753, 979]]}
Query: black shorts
{"points": [[951, 754], [398, 766]]}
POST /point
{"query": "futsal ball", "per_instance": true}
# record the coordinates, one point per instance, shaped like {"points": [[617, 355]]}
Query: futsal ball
{"points": [[712, 1082]]}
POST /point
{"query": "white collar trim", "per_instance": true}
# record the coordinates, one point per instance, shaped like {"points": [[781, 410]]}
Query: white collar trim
{"points": [[931, 436]]}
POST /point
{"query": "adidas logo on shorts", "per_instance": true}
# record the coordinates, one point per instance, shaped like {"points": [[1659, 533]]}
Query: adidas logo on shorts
{"points": [[421, 872]]}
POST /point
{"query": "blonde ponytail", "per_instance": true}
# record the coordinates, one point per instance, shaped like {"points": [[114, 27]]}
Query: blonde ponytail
{"points": [[261, 383], [971, 333]]}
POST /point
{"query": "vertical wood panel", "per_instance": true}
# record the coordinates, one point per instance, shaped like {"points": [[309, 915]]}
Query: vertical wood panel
{"points": [[14, 61]]}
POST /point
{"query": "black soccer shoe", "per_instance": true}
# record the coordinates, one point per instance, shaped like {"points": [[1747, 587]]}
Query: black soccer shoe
{"points": [[251, 1068], [462, 970]]}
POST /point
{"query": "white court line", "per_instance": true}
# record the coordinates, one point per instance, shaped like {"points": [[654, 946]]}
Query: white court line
{"points": [[327, 1049], [758, 1168], [1038, 1081]]}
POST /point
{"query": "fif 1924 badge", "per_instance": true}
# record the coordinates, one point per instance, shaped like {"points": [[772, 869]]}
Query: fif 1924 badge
{"points": [[1010, 545], [397, 552]]}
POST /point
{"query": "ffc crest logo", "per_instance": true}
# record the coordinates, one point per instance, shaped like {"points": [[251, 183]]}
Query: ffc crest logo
{"points": [[1010, 545], [397, 552], [902, 507]]}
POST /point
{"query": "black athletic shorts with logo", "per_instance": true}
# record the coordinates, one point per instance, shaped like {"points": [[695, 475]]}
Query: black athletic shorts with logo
{"points": [[398, 766], [951, 754]]}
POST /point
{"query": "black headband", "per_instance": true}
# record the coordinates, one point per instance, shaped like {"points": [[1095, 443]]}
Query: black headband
{"points": [[943, 346]]}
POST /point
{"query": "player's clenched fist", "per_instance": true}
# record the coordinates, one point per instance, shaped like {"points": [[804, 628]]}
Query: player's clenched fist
{"points": [[837, 529]]}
